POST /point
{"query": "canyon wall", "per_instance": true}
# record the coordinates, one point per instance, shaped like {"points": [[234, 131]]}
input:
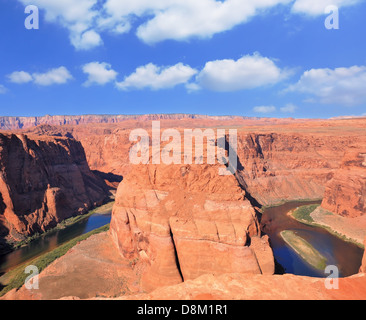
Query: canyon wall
{"points": [[273, 166], [345, 193], [279, 167], [43, 180], [291, 161]]}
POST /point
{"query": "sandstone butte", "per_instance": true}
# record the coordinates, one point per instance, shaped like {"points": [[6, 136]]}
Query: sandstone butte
{"points": [[176, 223], [43, 180]]}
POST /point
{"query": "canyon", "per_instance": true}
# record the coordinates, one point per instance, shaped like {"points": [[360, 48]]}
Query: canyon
{"points": [[177, 224], [43, 181]]}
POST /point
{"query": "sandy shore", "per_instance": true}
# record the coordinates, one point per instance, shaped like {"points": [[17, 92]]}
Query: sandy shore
{"points": [[349, 229]]}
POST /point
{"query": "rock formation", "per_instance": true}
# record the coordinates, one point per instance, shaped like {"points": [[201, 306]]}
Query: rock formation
{"points": [[345, 194], [291, 161], [186, 221], [43, 180]]}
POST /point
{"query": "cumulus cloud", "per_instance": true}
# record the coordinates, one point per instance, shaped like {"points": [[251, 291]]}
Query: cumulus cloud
{"points": [[155, 77], [251, 71], [264, 109], [54, 76], [77, 16], [99, 73], [317, 7], [160, 20], [246, 73], [20, 77], [181, 20], [345, 86]]}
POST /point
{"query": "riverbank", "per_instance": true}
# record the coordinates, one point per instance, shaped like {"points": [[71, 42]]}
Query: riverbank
{"points": [[93, 268], [15, 278], [284, 201], [346, 255], [348, 229], [104, 209]]}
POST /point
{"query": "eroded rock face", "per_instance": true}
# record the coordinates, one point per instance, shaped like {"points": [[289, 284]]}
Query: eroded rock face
{"points": [[279, 167], [345, 194], [43, 181], [186, 221], [278, 162]]}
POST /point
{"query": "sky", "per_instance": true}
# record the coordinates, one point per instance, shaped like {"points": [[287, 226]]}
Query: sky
{"points": [[255, 58]]}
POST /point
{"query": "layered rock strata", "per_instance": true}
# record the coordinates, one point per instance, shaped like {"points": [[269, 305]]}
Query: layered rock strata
{"points": [[345, 193], [185, 221], [43, 180], [276, 162]]}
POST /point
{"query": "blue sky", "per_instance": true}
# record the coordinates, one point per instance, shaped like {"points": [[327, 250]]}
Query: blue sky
{"points": [[266, 58]]}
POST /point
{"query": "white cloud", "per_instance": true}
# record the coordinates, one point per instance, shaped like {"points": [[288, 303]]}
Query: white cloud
{"points": [[345, 86], [20, 77], [99, 73], [317, 7], [160, 20], [264, 109], [54, 76], [289, 108], [155, 78], [77, 16], [182, 20], [3, 89], [246, 73]]}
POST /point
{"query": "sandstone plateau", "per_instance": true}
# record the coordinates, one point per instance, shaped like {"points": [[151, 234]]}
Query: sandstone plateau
{"points": [[185, 223], [43, 180]]}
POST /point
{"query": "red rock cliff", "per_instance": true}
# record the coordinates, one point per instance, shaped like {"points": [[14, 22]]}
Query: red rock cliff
{"points": [[43, 181], [345, 194], [272, 166], [291, 161]]}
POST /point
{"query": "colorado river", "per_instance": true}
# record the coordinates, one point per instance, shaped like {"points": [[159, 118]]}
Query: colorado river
{"points": [[346, 256], [53, 240]]}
